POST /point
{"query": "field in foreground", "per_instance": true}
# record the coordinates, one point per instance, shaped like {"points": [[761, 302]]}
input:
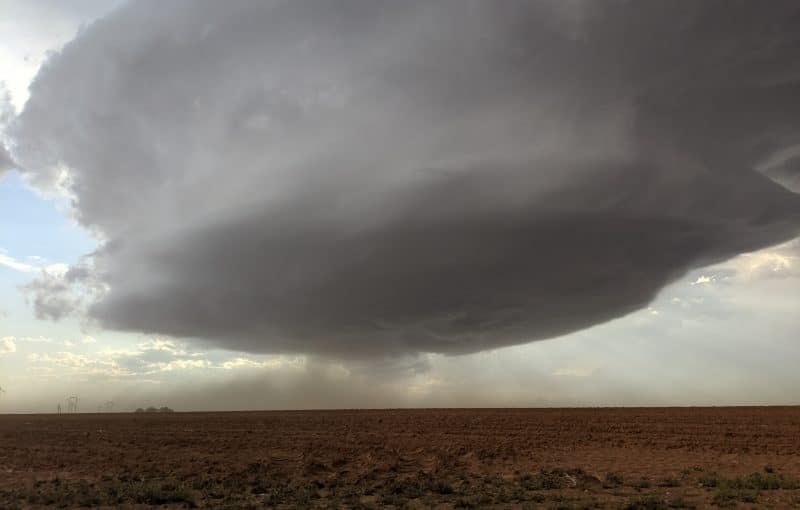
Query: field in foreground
{"points": [[538, 458]]}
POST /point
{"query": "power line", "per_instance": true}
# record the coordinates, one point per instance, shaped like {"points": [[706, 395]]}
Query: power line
{"points": [[72, 404]]}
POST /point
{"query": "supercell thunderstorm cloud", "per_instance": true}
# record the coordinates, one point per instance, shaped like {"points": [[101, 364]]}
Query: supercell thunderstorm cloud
{"points": [[364, 178]]}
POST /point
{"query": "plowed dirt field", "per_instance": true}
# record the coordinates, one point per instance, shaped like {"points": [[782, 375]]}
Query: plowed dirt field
{"points": [[462, 458]]}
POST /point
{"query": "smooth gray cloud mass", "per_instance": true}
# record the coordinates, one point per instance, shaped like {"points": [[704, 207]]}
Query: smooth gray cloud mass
{"points": [[5, 160], [6, 114], [373, 178]]}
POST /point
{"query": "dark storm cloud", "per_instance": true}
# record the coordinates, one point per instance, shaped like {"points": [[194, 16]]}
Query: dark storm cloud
{"points": [[372, 178], [51, 297], [55, 294]]}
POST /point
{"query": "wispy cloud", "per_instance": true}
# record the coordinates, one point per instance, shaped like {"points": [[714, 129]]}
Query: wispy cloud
{"points": [[81, 364], [273, 362], [49, 341], [25, 267], [16, 265], [149, 358]]}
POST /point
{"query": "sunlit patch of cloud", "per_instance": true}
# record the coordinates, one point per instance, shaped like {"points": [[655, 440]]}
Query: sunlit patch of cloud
{"points": [[426, 386], [50, 341], [151, 357], [272, 362], [7, 345], [81, 364], [768, 265]]}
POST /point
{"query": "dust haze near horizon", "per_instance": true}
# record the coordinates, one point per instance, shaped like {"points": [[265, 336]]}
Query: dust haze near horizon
{"points": [[383, 204]]}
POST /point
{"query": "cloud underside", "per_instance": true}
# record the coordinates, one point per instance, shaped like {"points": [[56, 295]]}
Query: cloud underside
{"points": [[5, 160], [369, 179]]}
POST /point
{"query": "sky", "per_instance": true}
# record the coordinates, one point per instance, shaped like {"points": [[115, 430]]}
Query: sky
{"points": [[284, 205]]}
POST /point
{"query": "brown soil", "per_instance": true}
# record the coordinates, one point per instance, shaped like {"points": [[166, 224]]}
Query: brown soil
{"points": [[527, 458]]}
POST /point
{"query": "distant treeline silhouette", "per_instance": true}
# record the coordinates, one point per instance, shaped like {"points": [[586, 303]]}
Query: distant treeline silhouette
{"points": [[155, 410]]}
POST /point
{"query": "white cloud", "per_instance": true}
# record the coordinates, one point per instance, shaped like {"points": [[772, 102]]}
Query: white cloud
{"points": [[154, 356], [57, 270], [36, 340], [46, 340], [156, 344], [31, 30], [274, 362], [767, 264], [7, 345], [178, 364], [81, 364], [773, 263], [16, 265]]}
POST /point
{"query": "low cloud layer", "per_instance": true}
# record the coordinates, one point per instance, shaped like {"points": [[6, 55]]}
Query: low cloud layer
{"points": [[373, 178]]}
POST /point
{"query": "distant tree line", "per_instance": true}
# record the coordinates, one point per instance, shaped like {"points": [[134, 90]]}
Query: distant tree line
{"points": [[152, 409]]}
